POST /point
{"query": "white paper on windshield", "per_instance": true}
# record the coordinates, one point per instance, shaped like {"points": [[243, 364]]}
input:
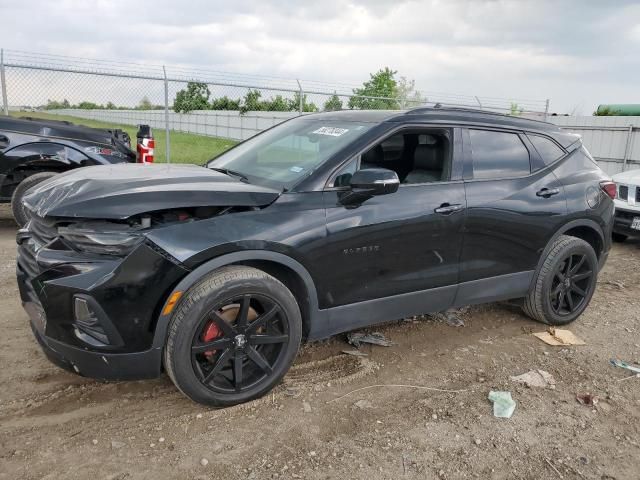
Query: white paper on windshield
{"points": [[331, 131]]}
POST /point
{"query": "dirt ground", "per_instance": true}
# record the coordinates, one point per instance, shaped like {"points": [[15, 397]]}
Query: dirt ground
{"points": [[54, 424]]}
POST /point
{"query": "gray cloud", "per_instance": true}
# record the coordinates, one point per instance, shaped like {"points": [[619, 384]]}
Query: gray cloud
{"points": [[577, 53]]}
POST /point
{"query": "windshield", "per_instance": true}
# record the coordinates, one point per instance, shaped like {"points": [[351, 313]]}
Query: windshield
{"points": [[284, 155]]}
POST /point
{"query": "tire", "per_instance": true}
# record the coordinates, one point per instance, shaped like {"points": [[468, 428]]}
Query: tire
{"points": [[17, 205], [211, 313], [554, 298], [619, 237]]}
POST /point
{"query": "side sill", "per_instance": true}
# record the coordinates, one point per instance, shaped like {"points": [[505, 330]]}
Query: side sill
{"points": [[493, 289], [363, 314], [370, 312]]}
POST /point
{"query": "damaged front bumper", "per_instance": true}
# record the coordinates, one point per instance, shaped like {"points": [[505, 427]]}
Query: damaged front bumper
{"points": [[103, 366], [96, 315]]}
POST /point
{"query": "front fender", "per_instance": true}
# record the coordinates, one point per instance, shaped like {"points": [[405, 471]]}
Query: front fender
{"points": [[317, 317]]}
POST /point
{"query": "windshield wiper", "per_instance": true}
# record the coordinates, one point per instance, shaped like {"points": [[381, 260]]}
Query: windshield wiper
{"points": [[231, 173]]}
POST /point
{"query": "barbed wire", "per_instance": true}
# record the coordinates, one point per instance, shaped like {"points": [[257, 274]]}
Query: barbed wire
{"points": [[196, 99], [200, 74]]}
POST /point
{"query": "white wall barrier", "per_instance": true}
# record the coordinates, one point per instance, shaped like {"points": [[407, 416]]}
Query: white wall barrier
{"points": [[613, 141]]}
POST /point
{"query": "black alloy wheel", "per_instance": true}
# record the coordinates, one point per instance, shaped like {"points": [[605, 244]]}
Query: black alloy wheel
{"points": [[564, 282], [232, 336], [571, 284], [239, 343]]}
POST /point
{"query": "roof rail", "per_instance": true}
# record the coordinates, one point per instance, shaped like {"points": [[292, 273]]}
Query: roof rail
{"points": [[439, 106]]}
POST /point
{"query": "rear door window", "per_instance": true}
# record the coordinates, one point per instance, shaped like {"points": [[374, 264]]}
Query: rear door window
{"points": [[498, 154], [546, 148]]}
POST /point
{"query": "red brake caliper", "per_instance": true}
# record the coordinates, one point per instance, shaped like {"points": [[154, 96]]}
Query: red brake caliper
{"points": [[211, 332]]}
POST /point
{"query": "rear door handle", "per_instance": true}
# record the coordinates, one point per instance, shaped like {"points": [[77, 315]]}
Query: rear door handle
{"points": [[547, 192], [446, 209]]}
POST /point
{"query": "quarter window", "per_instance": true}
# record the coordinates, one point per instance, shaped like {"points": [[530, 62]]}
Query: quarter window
{"points": [[498, 154], [548, 150], [343, 178]]}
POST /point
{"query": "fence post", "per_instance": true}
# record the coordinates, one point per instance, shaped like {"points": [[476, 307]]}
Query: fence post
{"points": [[3, 81], [301, 107], [166, 115], [546, 109], [627, 148]]}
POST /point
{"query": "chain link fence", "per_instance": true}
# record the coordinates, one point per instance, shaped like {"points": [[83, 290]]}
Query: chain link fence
{"points": [[195, 112]]}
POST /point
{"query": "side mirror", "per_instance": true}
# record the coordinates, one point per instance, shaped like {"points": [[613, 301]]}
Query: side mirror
{"points": [[375, 181], [367, 183]]}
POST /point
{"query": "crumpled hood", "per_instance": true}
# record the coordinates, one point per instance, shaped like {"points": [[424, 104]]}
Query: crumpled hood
{"points": [[122, 190]]}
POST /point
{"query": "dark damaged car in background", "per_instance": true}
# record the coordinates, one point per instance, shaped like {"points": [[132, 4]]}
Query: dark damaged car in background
{"points": [[322, 224], [33, 150]]}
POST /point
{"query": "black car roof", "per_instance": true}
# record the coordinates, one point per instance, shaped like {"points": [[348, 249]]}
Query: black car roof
{"points": [[451, 115], [437, 114], [373, 116], [55, 128]]}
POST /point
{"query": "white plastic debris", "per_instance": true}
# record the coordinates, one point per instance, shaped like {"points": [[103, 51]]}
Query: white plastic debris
{"points": [[503, 404], [536, 378]]}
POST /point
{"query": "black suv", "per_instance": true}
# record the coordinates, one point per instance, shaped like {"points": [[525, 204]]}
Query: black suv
{"points": [[322, 224]]}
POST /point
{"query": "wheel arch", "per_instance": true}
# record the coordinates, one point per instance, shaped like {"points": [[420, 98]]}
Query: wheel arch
{"points": [[284, 268], [592, 236], [585, 229], [32, 162]]}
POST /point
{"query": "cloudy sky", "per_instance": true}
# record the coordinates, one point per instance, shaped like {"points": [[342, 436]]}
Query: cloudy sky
{"points": [[577, 53]]}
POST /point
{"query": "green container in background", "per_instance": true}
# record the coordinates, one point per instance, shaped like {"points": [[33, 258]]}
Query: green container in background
{"points": [[621, 109]]}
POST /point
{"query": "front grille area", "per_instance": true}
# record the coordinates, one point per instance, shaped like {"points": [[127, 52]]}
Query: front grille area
{"points": [[623, 192], [27, 260], [42, 232]]}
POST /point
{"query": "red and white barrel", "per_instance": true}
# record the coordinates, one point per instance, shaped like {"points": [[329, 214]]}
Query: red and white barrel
{"points": [[145, 144]]}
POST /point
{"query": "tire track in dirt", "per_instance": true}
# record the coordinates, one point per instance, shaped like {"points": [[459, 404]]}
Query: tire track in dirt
{"points": [[89, 401]]}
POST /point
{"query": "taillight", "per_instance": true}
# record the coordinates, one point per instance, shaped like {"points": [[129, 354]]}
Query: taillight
{"points": [[609, 188]]}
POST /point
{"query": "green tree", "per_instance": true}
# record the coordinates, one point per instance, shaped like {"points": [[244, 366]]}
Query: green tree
{"points": [[277, 104], [145, 104], [225, 103], [89, 106], [294, 104], [55, 105], [381, 84], [251, 102], [407, 95], [515, 109], [334, 103], [110, 106], [194, 97]]}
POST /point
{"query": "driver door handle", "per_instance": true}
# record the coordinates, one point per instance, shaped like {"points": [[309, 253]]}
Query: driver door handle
{"points": [[547, 192], [447, 209]]}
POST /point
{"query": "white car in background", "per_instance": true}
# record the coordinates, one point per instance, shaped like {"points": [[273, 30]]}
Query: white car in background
{"points": [[627, 202]]}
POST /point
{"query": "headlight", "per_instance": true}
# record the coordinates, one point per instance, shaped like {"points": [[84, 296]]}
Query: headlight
{"points": [[102, 237]]}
